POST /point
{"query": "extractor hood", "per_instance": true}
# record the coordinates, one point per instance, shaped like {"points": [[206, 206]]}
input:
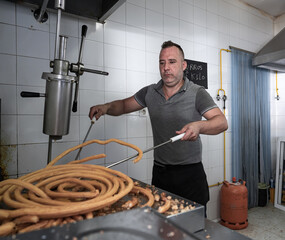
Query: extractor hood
{"points": [[98, 10], [272, 55]]}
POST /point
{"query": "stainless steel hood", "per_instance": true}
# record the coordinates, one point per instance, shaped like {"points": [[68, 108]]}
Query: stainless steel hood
{"points": [[98, 10], [272, 55]]}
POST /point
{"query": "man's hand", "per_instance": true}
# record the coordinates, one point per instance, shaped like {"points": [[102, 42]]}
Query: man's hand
{"points": [[97, 111], [191, 130], [215, 123]]}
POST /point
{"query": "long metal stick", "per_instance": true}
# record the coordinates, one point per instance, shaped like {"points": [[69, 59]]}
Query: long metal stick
{"points": [[49, 149], [173, 139], [92, 123], [147, 150]]}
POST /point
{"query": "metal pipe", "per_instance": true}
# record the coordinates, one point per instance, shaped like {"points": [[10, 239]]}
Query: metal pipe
{"points": [[62, 47], [57, 34]]}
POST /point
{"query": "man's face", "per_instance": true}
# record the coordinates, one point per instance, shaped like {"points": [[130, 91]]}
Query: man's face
{"points": [[171, 66]]}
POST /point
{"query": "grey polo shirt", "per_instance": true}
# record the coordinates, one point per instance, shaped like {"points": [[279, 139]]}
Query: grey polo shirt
{"points": [[168, 116]]}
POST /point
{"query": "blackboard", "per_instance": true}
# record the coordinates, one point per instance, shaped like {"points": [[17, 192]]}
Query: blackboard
{"points": [[197, 72]]}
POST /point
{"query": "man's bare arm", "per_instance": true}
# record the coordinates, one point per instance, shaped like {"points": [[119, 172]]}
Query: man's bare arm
{"points": [[215, 123], [115, 108]]}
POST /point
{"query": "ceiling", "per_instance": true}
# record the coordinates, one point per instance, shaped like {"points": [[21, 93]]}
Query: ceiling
{"points": [[274, 8]]}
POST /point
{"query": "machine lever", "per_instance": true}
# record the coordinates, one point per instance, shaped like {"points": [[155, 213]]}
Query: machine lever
{"points": [[83, 35], [94, 71], [32, 94]]}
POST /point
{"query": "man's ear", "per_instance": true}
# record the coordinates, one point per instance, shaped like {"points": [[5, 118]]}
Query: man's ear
{"points": [[184, 65]]}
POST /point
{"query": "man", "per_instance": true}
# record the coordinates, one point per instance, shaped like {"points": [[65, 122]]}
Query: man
{"points": [[176, 105]]}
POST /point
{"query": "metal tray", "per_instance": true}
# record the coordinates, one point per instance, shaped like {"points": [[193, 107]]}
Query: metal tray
{"points": [[192, 220], [136, 224]]}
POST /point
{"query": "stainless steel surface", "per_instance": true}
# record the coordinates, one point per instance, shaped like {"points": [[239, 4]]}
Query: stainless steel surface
{"points": [[192, 220], [62, 47], [88, 131], [272, 55], [137, 224], [98, 10], [94, 71], [59, 4], [58, 20], [57, 105]]}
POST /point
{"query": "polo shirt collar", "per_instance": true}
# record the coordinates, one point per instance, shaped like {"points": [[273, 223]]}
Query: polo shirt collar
{"points": [[186, 85]]}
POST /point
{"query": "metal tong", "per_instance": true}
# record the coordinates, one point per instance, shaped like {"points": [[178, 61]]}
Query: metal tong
{"points": [[171, 140], [88, 131]]}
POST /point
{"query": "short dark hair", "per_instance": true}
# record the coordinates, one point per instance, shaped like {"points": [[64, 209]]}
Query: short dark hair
{"points": [[169, 43]]}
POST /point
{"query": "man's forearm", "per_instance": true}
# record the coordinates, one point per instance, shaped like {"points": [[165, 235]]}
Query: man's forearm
{"points": [[214, 125], [115, 108]]}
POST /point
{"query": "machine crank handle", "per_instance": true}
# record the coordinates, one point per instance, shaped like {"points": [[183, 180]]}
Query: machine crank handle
{"points": [[94, 71], [32, 94]]}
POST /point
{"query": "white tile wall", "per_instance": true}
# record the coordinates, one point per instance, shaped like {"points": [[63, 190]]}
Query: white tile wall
{"points": [[186, 12], [155, 5], [93, 81], [31, 157], [7, 12], [9, 130], [116, 80], [26, 19], [30, 129], [154, 21], [126, 46], [8, 96], [171, 8], [171, 26], [136, 60], [92, 53], [26, 77], [7, 69], [186, 31], [110, 61], [119, 15], [200, 17], [114, 33], [7, 39], [32, 43], [135, 81], [135, 16], [153, 41], [135, 38]]}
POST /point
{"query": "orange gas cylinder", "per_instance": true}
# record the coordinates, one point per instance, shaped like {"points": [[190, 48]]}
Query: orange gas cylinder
{"points": [[234, 205]]}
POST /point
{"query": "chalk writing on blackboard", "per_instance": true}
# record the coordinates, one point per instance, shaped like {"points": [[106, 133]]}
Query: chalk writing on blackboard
{"points": [[197, 72]]}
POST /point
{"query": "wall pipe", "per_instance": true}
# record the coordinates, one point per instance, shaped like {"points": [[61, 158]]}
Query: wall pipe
{"points": [[224, 109], [277, 88]]}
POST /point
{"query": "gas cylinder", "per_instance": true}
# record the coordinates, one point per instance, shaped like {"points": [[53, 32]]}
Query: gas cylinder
{"points": [[234, 205]]}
